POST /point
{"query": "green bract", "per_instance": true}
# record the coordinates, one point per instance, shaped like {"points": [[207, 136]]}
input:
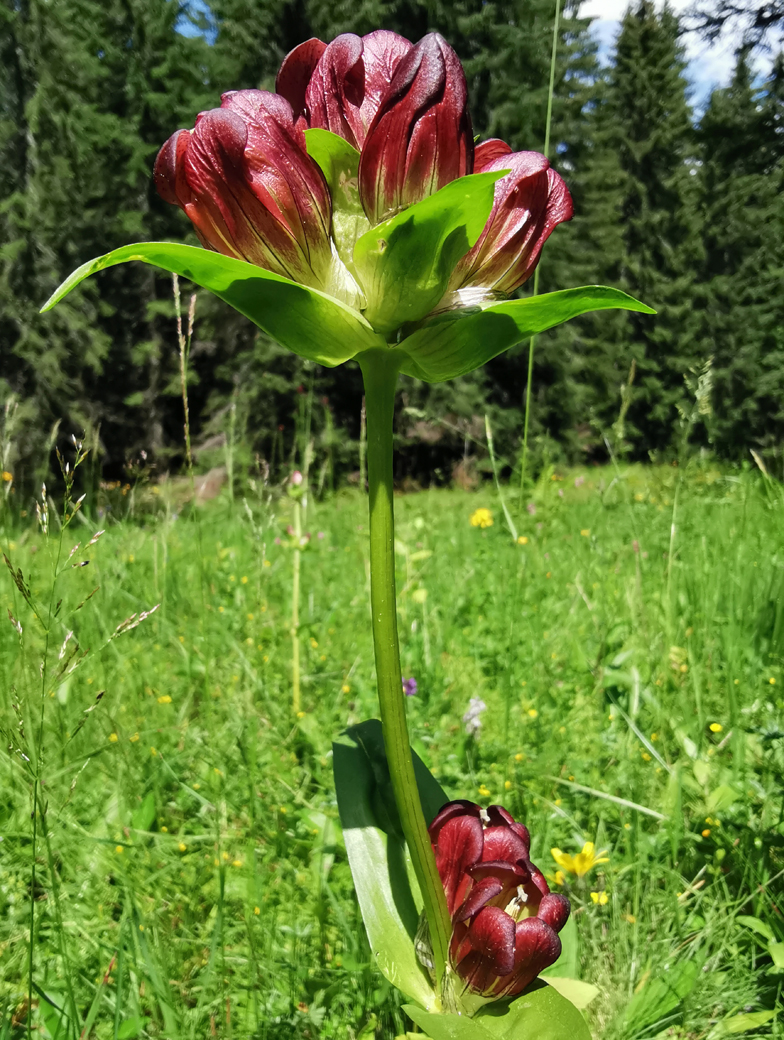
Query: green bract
{"points": [[404, 264], [421, 243], [339, 162]]}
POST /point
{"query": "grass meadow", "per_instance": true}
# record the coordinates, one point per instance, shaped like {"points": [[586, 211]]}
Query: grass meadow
{"points": [[184, 874]]}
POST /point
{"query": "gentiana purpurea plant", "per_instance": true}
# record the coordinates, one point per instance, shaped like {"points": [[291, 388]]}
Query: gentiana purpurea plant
{"points": [[350, 215]]}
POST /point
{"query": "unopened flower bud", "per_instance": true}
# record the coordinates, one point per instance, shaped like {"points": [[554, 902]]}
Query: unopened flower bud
{"points": [[421, 137], [530, 202]]}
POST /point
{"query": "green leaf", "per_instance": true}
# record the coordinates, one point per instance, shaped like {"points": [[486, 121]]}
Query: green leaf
{"points": [[776, 950], [661, 995], [747, 1023], [758, 926], [405, 263], [144, 814], [458, 342], [579, 993], [131, 1027], [568, 964], [308, 322], [339, 163], [388, 895], [447, 1027], [540, 1013], [721, 798]]}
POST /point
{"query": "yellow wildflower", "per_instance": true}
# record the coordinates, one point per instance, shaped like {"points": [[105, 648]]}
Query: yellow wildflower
{"points": [[482, 517], [532, 713], [182, 846], [581, 863], [165, 699], [715, 727], [599, 898], [257, 910], [585, 532], [560, 877], [113, 738], [7, 477], [522, 540]]}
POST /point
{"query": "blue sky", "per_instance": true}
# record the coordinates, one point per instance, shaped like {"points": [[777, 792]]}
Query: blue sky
{"points": [[709, 66]]}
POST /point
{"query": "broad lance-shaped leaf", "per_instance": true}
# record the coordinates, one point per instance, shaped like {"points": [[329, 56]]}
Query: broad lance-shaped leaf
{"points": [[458, 342], [539, 1013], [387, 891], [404, 264], [306, 321], [339, 162]]}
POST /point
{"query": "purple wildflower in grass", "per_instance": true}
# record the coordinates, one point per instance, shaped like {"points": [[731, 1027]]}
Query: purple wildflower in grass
{"points": [[410, 687], [531, 508]]}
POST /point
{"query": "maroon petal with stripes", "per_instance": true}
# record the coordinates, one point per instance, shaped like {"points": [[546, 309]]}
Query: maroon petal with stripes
{"points": [[295, 73], [336, 89], [421, 137], [243, 177], [529, 204]]}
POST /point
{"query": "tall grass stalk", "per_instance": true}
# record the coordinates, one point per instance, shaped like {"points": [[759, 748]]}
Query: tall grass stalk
{"points": [[296, 699], [532, 341]]}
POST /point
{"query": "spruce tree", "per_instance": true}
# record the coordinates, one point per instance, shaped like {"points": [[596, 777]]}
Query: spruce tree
{"points": [[90, 90], [742, 182]]}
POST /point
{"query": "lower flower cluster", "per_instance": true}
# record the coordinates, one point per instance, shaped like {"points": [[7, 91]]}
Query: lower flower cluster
{"points": [[505, 920]]}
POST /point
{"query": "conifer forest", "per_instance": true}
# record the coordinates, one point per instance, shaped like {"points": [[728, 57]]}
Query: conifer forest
{"points": [[679, 206]]}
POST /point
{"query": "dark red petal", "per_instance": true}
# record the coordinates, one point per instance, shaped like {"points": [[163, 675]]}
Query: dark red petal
{"points": [[459, 807], [480, 894], [421, 136], [504, 844], [295, 72], [492, 935], [382, 53], [459, 846], [536, 948], [538, 882], [488, 151], [336, 89], [512, 873], [554, 910], [169, 171], [496, 813], [460, 944], [281, 173], [529, 203], [560, 205]]}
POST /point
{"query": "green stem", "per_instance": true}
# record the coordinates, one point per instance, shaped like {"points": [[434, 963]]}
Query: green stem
{"points": [[532, 341], [380, 370]]}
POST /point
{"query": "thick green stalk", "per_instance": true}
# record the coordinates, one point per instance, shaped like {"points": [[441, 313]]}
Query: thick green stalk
{"points": [[380, 370]]}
